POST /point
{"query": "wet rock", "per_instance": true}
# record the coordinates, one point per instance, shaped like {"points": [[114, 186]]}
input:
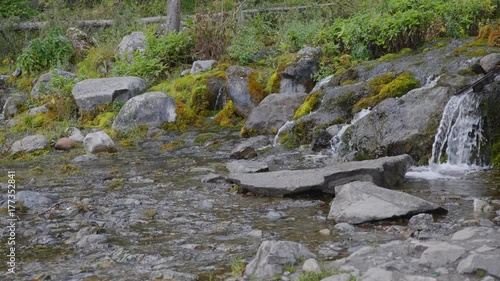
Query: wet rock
{"points": [[467, 233], [441, 255], [172, 275], [29, 144], [387, 172], [297, 76], [89, 240], [273, 215], [489, 62], [359, 202], [344, 227], [84, 158], [44, 83], [474, 262], [246, 166], [91, 93], [323, 140], [272, 113], [98, 142], [311, 265], [202, 66], [273, 255], [149, 109], [377, 274], [64, 144], [33, 199], [135, 41], [38, 109], [239, 90], [482, 206], [247, 148]]}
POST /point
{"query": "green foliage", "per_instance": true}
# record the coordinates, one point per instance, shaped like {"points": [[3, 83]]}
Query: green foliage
{"points": [[97, 64], [396, 88], [18, 8], [51, 51], [296, 34], [249, 41]]}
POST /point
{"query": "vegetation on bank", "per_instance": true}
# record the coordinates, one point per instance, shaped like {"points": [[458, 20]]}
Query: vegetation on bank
{"points": [[348, 33]]}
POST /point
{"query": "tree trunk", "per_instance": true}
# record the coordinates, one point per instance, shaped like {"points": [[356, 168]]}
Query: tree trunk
{"points": [[173, 16]]}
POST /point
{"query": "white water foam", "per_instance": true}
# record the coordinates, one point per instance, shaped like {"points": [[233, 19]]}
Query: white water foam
{"points": [[286, 127], [336, 141]]}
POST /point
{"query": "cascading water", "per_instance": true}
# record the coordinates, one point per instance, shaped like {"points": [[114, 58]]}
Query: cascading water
{"points": [[459, 134], [286, 127], [336, 141]]}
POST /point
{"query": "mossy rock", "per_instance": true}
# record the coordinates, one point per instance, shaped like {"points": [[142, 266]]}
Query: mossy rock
{"points": [[310, 104], [227, 117], [396, 88]]}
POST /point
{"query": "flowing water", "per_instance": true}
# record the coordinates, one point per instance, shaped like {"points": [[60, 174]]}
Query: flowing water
{"points": [[336, 141]]}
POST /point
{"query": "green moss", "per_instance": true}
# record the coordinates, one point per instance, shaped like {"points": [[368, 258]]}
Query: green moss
{"points": [[186, 117], [393, 56], [227, 117], [246, 133], [128, 144], [377, 83], [69, 169], [203, 138], [476, 53], [466, 72], [255, 87], [116, 184], [396, 88], [301, 133], [311, 102], [273, 84], [102, 120]]}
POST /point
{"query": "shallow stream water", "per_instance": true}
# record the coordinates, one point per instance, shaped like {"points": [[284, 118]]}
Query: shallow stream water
{"points": [[157, 213]]}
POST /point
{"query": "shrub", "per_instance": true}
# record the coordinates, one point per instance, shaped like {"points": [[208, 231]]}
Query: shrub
{"points": [[210, 35], [51, 51], [248, 41], [97, 64]]}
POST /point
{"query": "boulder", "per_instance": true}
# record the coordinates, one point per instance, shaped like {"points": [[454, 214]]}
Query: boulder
{"points": [[273, 112], [359, 202], [149, 109], [33, 199], [272, 256], [43, 84], [135, 41], [12, 103], [297, 76], [474, 262], [489, 62], [386, 172], [81, 42], [98, 142], [29, 144], [246, 166], [202, 66], [311, 265], [401, 125], [441, 255], [238, 79], [91, 93], [75, 134], [64, 144]]}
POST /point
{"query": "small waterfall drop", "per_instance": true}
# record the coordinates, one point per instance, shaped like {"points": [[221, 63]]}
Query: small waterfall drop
{"points": [[286, 127], [336, 141], [459, 133]]}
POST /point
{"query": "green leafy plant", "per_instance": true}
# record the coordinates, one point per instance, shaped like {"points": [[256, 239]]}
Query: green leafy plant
{"points": [[51, 51]]}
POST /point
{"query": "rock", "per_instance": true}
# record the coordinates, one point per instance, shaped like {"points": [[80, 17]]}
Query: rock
{"points": [[359, 202], [164, 275], [206, 204], [272, 113], [386, 172], [344, 227], [482, 206], [38, 109], [91, 93], [474, 262], [149, 109], [420, 222], [256, 233], [247, 148], [135, 41], [339, 277], [496, 221], [98, 142], [202, 66], [273, 215], [407, 124], [12, 103], [323, 140], [64, 144], [29, 144], [311, 265], [378, 274], [489, 62], [238, 80], [466, 233], [81, 42], [74, 134], [273, 255], [33, 199], [44, 83], [246, 166], [84, 158], [297, 76], [325, 232], [89, 240], [441, 255]]}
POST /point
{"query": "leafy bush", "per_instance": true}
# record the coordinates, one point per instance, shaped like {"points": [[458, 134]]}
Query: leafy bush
{"points": [[18, 8], [295, 34], [51, 51], [248, 41]]}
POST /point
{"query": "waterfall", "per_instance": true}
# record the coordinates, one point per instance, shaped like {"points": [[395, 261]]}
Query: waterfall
{"points": [[459, 133], [336, 141], [286, 127]]}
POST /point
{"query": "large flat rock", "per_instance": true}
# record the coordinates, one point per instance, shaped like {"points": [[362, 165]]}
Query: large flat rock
{"points": [[386, 172], [359, 202]]}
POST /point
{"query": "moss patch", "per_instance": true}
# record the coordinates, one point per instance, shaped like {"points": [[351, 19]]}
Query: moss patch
{"points": [[396, 88], [311, 102], [227, 117]]}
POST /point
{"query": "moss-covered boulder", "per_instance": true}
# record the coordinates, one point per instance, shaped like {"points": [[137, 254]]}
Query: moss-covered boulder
{"points": [[297, 76], [244, 89]]}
